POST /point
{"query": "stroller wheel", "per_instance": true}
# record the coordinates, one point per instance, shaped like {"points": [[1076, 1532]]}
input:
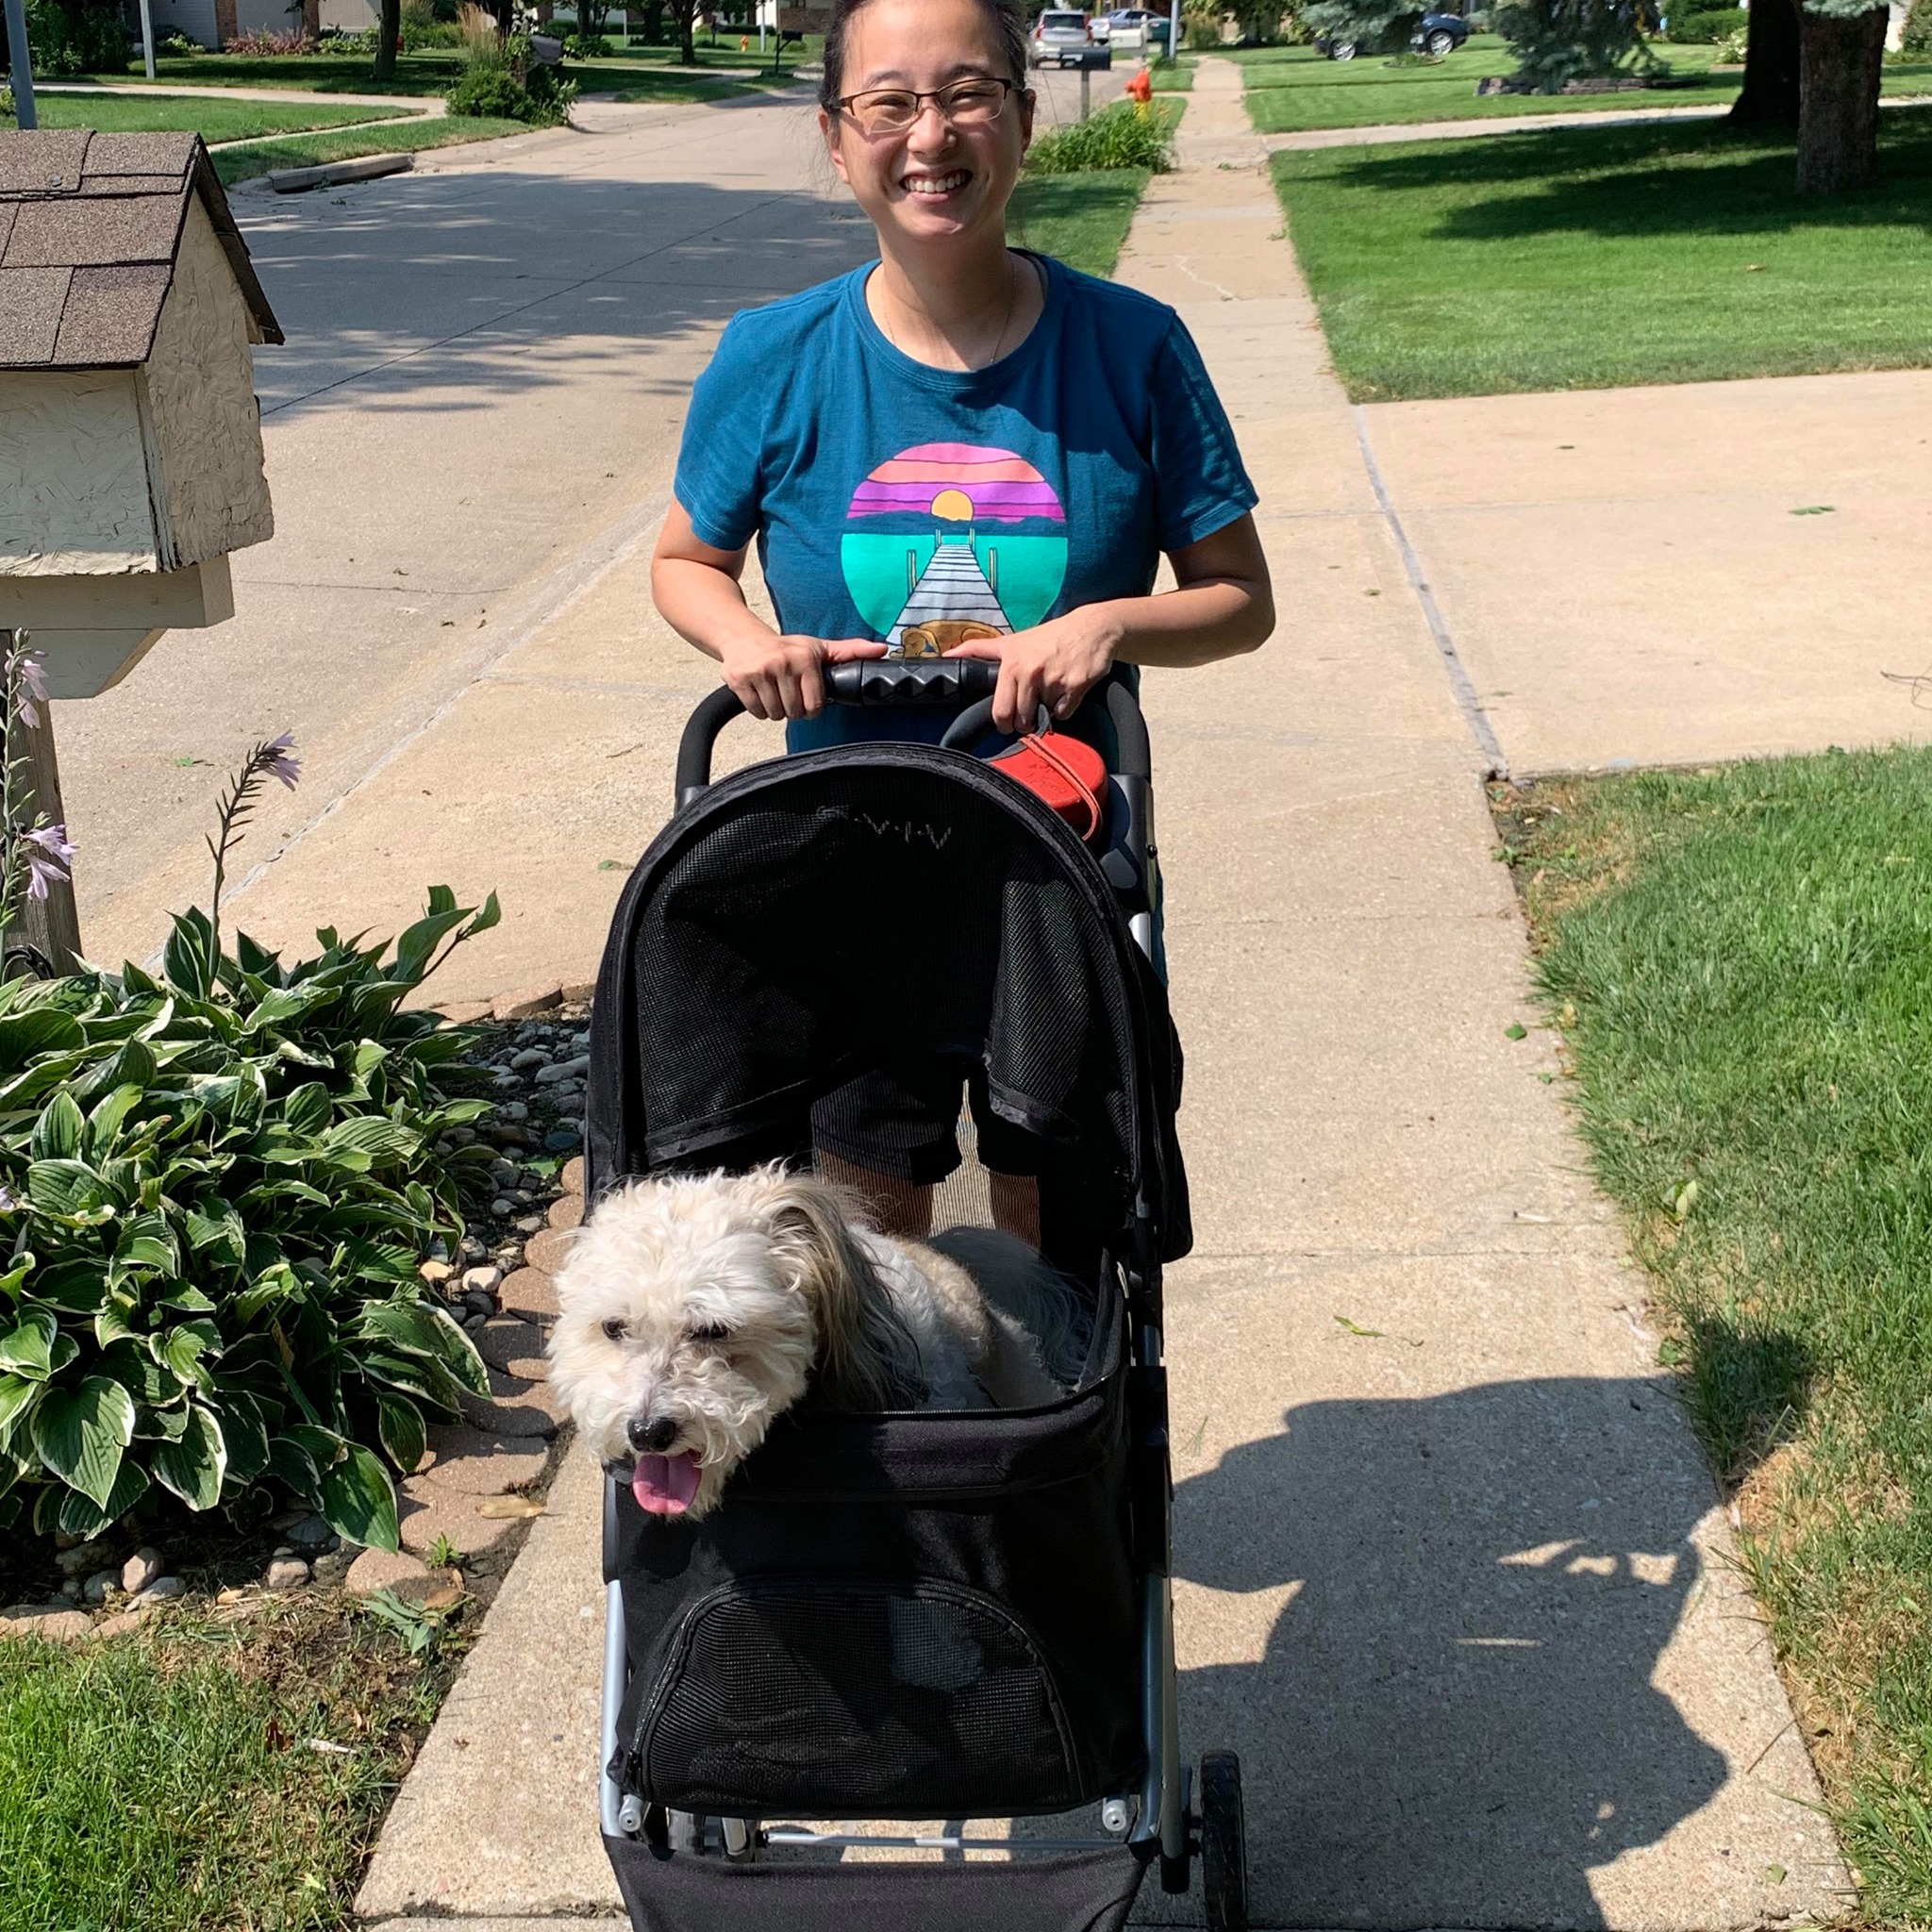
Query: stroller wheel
{"points": [[1223, 1843], [741, 1837], [685, 1831]]}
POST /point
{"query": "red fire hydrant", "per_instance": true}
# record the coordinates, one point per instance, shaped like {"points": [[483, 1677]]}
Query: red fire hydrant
{"points": [[1140, 89]]}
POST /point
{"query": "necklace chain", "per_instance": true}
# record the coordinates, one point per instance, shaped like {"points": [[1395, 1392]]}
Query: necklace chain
{"points": [[999, 343]]}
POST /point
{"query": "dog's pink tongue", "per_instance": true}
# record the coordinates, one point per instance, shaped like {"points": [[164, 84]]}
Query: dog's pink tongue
{"points": [[664, 1485]]}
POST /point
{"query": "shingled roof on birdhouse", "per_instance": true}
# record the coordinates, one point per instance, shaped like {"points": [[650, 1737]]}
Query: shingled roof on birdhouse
{"points": [[130, 441]]}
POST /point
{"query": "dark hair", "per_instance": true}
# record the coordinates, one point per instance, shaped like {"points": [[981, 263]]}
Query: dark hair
{"points": [[1008, 23]]}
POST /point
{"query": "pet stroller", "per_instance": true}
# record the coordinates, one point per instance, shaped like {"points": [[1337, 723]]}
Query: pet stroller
{"points": [[921, 1616]]}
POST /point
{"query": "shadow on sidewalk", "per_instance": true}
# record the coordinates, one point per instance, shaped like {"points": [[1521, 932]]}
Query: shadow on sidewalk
{"points": [[1453, 1722]]}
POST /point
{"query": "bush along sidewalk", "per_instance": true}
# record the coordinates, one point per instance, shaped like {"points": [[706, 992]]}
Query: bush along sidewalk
{"points": [[222, 1184]]}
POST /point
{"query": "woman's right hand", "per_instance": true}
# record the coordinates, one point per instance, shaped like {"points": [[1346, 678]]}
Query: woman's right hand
{"points": [[783, 676]]}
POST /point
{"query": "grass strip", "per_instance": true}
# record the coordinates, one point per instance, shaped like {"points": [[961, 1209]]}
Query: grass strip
{"points": [[1741, 963], [213, 120], [1083, 219], [310, 150], [1590, 257], [203, 1775]]}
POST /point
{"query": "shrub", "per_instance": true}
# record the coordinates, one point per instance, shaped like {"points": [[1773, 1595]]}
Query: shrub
{"points": [[84, 37], [176, 45], [221, 1182], [263, 42], [1560, 41], [1377, 26], [1915, 41], [586, 47], [1201, 26], [1121, 136], [1707, 28]]}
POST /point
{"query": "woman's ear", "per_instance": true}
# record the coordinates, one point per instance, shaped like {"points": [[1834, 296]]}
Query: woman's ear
{"points": [[1028, 101], [828, 126]]}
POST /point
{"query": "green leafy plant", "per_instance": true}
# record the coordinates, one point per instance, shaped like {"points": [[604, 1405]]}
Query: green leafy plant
{"points": [[218, 1184], [416, 1627], [1706, 27], [586, 47], [1556, 42], [1915, 39], [75, 37], [1121, 136], [442, 1553]]}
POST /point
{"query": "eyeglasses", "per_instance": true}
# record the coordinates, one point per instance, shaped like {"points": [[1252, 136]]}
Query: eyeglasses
{"points": [[970, 103]]}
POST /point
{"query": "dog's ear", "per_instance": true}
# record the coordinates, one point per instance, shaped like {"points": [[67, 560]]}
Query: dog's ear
{"points": [[868, 1362]]}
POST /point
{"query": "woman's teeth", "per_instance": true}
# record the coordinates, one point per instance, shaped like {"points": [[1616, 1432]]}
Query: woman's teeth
{"points": [[936, 184]]}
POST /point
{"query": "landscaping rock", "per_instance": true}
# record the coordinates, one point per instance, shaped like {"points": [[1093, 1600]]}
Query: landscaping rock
{"points": [[140, 1570], [562, 1070], [100, 1583], [530, 1291], [408, 1575], [123, 1623], [567, 1211], [72, 1588], [562, 1139], [511, 1346], [311, 1533], [425, 1514], [335, 1566], [527, 1002], [548, 1252], [164, 1588], [54, 1622], [82, 1557], [571, 1180], [530, 1224], [499, 1417], [530, 1056], [286, 1573], [473, 1462], [484, 1279]]}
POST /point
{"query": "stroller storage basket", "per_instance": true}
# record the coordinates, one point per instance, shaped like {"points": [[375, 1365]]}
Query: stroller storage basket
{"points": [[915, 1615]]}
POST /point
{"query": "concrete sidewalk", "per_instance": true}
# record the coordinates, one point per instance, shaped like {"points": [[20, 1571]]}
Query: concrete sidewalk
{"points": [[1455, 1579]]}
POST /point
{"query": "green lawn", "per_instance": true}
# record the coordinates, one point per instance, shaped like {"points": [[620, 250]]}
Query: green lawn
{"points": [[1598, 256], [1292, 89], [214, 121], [1742, 962], [433, 72], [1083, 219], [211, 1776], [310, 150]]}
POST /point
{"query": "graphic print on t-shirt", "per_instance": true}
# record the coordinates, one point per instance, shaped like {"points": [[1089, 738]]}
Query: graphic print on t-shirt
{"points": [[954, 531]]}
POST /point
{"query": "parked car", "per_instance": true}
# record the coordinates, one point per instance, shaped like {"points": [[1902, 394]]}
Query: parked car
{"points": [[1331, 48], [1155, 26], [1439, 34], [1055, 32]]}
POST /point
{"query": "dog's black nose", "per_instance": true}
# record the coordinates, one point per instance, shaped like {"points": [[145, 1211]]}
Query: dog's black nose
{"points": [[652, 1436]]}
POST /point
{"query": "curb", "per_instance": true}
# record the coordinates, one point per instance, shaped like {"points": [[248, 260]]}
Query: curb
{"points": [[332, 173]]}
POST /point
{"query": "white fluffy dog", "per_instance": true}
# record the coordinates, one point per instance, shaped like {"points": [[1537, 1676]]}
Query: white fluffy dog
{"points": [[695, 1311]]}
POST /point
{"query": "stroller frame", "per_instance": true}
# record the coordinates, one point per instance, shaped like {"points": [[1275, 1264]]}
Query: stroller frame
{"points": [[1160, 1818]]}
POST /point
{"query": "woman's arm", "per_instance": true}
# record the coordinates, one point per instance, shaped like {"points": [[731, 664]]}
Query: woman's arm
{"points": [[1222, 604], [697, 589]]}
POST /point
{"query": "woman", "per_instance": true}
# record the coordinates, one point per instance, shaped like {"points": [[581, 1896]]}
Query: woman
{"points": [[961, 440]]}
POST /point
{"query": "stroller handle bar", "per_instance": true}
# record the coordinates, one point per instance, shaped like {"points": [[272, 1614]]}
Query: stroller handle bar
{"points": [[968, 681]]}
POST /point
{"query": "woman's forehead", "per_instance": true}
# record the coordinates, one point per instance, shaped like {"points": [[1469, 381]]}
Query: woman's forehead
{"points": [[937, 41]]}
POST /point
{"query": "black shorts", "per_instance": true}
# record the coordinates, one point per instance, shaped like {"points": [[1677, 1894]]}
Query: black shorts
{"points": [[901, 1120]]}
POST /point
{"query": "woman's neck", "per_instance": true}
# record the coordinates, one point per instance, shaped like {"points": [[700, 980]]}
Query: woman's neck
{"points": [[962, 311]]}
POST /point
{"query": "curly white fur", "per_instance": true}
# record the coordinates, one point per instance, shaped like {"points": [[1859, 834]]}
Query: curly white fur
{"points": [[695, 1310]]}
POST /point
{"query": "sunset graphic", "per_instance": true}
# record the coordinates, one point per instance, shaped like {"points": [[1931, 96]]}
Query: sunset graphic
{"points": [[957, 483]]}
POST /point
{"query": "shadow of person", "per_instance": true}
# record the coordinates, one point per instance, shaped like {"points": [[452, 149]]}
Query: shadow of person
{"points": [[1453, 1720]]}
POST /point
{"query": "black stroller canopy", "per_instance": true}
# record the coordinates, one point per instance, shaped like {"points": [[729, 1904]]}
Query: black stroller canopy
{"points": [[819, 917]]}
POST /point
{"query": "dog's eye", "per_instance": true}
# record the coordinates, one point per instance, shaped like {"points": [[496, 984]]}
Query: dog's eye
{"points": [[613, 1331], [711, 1332]]}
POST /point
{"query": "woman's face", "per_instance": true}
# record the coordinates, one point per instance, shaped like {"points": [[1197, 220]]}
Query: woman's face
{"points": [[934, 180]]}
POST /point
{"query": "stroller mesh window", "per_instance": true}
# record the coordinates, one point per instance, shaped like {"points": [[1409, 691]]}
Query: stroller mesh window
{"points": [[924, 1698]]}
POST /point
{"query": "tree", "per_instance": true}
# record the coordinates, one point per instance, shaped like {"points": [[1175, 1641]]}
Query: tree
{"points": [[1560, 40], [1376, 27], [389, 30], [1769, 97], [684, 17], [1841, 56]]}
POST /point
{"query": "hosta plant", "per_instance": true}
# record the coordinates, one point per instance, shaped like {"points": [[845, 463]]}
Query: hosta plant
{"points": [[218, 1185]]}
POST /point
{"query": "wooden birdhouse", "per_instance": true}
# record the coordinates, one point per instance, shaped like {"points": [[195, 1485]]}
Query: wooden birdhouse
{"points": [[130, 441]]}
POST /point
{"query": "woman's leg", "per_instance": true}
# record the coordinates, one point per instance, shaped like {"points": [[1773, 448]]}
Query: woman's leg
{"points": [[1015, 1205], [900, 1207]]}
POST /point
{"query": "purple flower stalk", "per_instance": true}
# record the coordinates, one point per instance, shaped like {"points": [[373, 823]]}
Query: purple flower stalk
{"points": [[48, 859], [33, 686], [280, 761]]}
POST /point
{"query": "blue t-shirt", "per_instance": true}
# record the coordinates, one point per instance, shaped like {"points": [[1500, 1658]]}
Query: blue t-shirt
{"points": [[886, 495]]}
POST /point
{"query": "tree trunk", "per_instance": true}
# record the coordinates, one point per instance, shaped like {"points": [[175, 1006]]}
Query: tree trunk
{"points": [[654, 23], [389, 30], [1837, 105], [687, 32], [1769, 97]]}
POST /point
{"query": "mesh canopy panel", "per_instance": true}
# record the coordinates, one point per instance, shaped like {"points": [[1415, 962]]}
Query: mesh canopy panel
{"points": [[813, 919]]}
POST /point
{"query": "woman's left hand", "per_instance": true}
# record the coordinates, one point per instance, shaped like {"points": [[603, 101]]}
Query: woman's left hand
{"points": [[1054, 664]]}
